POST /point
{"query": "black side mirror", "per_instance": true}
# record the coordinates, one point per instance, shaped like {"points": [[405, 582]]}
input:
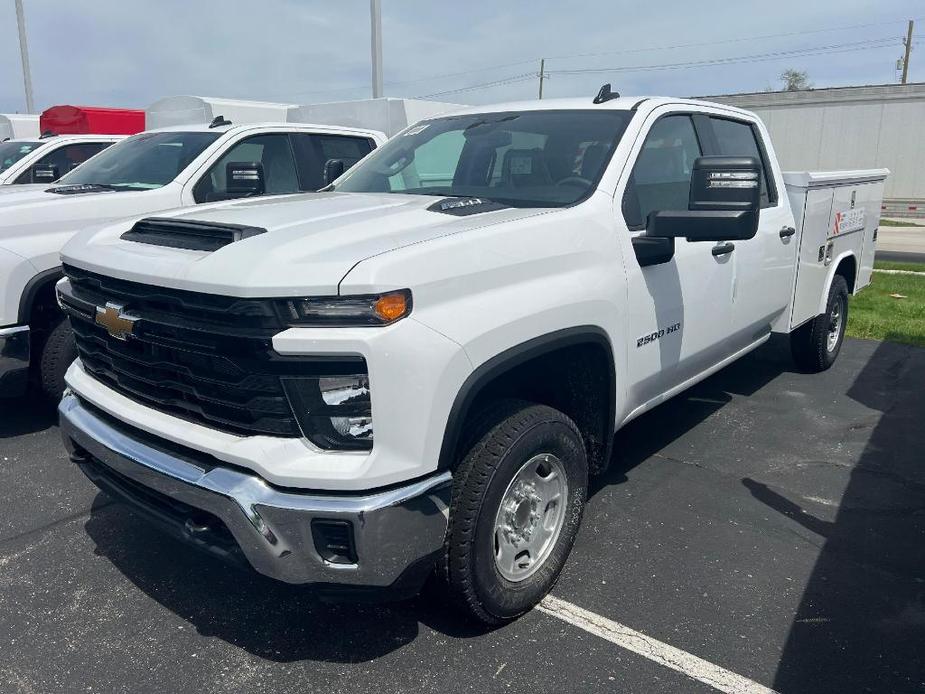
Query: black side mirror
{"points": [[244, 179], [333, 169], [45, 173], [724, 205]]}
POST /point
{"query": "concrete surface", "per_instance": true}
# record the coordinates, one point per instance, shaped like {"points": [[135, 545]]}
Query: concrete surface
{"points": [[901, 239], [770, 522]]}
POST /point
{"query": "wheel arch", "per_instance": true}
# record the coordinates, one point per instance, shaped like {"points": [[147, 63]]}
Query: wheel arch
{"points": [[34, 289], [846, 265], [523, 355]]}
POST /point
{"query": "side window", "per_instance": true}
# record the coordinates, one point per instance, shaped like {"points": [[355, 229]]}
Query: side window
{"points": [[273, 151], [65, 158], [661, 176], [738, 139], [313, 150]]}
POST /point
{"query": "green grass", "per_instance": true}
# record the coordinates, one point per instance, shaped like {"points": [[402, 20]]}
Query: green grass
{"points": [[894, 223], [890, 265], [875, 315]]}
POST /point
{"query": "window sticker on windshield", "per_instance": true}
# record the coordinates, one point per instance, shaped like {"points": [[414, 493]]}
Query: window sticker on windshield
{"points": [[521, 166], [25, 149], [417, 129]]}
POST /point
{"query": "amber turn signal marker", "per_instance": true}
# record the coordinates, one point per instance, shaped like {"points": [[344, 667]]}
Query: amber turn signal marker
{"points": [[390, 307]]}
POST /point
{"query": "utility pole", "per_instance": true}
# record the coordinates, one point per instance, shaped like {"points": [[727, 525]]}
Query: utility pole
{"points": [[375, 19], [542, 73], [24, 52], [908, 43]]}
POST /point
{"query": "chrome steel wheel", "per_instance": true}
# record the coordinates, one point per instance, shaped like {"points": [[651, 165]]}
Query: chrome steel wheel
{"points": [[530, 517], [835, 325]]}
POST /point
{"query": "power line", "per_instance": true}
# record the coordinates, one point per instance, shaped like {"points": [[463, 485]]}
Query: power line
{"points": [[758, 57], [497, 66], [485, 85], [725, 41]]}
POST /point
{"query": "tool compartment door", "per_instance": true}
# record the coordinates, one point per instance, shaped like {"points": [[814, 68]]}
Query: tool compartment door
{"points": [[811, 269]]}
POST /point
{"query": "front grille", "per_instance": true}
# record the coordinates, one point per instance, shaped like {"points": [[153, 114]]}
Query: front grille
{"points": [[202, 357]]}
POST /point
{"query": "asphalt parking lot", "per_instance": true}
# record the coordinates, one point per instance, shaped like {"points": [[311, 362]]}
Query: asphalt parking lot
{"points": [[769, 522]]}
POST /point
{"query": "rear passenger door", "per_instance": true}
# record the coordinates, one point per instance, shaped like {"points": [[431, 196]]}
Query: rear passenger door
{"points": [[763, 265], [679, 311]]}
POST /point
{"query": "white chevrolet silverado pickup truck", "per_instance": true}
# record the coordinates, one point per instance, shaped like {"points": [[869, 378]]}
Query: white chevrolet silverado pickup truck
{"points": [[155, 170], [418, 369]]}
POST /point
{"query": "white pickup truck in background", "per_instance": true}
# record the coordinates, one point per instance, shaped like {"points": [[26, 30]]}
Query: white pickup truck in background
{"points": [[149, 172], [420, 368]]}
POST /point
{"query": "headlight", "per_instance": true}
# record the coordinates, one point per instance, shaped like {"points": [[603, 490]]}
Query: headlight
{"points": [[344, 311], [334, 411]]}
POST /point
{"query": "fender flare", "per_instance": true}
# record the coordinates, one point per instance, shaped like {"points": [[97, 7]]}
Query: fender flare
{"points": [[32, 288], [509, 359], [833, 266]]}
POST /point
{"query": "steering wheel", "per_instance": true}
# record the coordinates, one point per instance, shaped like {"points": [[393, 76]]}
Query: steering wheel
{"points": [[574, 181]]}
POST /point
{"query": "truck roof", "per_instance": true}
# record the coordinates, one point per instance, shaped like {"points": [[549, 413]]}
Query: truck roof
{"points": [[622, 103], [204, 128]]}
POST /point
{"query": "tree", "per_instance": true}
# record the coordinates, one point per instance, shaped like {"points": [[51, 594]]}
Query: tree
{"points": [[795, 80]]}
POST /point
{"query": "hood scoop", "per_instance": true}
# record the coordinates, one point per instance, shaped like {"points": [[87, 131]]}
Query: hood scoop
{"points": [[188, 234], [463, 207]]}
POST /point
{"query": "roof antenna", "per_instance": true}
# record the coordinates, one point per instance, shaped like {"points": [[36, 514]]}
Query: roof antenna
{"points": [[219, 121], [605, 94]]}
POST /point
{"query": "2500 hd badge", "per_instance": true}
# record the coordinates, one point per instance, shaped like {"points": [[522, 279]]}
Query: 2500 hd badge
{"points": [[658, 335]]}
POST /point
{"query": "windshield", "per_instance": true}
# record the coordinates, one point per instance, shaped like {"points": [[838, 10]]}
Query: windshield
{"points": [[145, 161], [12, 152], [523, 159]]}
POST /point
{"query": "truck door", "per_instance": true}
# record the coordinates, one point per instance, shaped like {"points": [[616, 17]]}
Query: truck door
{"points": [[763, 266], [679, 311]]}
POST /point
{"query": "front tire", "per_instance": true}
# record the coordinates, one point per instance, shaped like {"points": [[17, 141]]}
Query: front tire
{"points": [[517, 501], [57, 353], [815, 345]]}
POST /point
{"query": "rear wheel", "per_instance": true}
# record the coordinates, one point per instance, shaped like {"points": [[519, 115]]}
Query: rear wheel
{"points": [[57, 353], [517, 501], [816, 345]]}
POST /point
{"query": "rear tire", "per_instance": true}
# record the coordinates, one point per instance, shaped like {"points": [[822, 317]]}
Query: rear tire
{"points": [[57, 353], [517, 501], [815, 345]]}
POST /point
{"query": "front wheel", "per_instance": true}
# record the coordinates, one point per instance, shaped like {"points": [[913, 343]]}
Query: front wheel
{"points": [[816, 345], [57, 353], [517, 501]]}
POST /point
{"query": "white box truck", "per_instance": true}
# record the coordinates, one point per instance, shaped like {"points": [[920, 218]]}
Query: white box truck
{"points": [[18, 125], [419, 370]]}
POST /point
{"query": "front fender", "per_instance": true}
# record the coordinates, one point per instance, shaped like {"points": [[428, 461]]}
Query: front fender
{"points": [[16, 273]]}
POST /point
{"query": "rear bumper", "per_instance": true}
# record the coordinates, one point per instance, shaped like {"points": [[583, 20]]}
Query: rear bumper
{"points": [[235, 514], [14, 360]]}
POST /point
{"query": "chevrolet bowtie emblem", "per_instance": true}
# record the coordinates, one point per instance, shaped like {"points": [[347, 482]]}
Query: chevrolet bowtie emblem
{"points": [[118, 324]]}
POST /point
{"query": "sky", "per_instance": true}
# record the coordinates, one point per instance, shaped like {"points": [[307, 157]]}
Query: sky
{"points": [[131, 53]]}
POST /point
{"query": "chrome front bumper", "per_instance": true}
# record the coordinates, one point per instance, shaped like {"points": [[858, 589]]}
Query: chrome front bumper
{"points": [[396, 533], [14, 360]]}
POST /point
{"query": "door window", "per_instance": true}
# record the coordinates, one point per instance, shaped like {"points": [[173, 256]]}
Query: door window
{"points": [[65, 158], [272, 151], [737, 139], [661, 177], [312, 151]]}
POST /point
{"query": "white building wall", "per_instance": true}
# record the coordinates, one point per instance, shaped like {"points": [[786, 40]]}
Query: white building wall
{"points": [[848, 128]]}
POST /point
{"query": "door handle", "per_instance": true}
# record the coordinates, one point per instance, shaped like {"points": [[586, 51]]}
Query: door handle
{"points": [[787, 232], [723, 248]]}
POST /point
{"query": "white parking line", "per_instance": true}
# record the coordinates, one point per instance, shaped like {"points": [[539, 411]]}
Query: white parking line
{"points": [[697, 668]]}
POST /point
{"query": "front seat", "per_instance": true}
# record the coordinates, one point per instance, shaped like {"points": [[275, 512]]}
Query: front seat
{"points": [[525, 167]]}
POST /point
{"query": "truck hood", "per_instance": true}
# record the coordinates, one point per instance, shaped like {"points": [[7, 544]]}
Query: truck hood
{"points": [[312, 241], [26, 210]]}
